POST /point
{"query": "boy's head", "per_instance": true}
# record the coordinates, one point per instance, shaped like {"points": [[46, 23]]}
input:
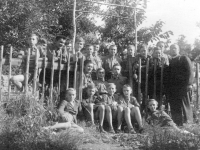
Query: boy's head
{"points": [[91, 90], [79, 44], [70, 94], [69, 45], [100, 73], [96, 47], [89, 49], [152, 105], [60, 41], [88, 66], [161, 45], [43, 43], [127, 90], [174, 50], [157, 52], [143, 50], [33, 39], [116, 69], [113, 50], [111, 88], [131, 50]]}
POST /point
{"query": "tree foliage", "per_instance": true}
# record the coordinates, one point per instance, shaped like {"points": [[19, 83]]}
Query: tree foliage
{"points": [[19, 18]]}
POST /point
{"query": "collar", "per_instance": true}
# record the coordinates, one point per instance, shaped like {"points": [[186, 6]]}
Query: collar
{"points": [[116, 76]]}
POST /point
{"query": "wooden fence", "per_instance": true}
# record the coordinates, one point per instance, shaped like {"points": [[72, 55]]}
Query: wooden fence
{"points": [[42, 63]]}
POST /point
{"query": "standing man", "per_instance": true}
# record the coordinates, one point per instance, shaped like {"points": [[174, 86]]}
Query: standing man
{"points": [[180, 86]]}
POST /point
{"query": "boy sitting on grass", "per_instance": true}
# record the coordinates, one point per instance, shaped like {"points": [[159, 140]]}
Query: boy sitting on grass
{"points": [[131, 109], [112, 111], [160, 118], [93, 106], [68, 110]]}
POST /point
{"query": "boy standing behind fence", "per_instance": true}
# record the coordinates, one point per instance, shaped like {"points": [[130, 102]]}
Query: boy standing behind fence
{"points": [[110, 61], [18, 80]]}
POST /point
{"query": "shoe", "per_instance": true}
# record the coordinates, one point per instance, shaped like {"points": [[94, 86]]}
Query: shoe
{"points": [[101, 129], [112, 131], [132, 131], [118, 131], [141, 130]]}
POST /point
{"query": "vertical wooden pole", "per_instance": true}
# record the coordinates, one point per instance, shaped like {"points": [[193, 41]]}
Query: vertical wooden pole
{"points": [[130, 71], [1, 59], [68, 68], [44, 74], [75, 71], [139, 82], [197, 101], [52, 76], [135, 25], [59, 79], [161, 84], [74, 25], [81, 79], [35, 74], [10, 72], [27, 72], [154, 77], [147, 80]]}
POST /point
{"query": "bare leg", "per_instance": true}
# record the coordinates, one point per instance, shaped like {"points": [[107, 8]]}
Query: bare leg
{"points": [[101, 110], [17, 81], [127, 116], [135, 112], [64, 125], [119, 117], [91, 112], [109, 116]]}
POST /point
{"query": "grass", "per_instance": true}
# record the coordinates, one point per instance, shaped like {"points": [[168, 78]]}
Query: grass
{"points": [[22, 120]]}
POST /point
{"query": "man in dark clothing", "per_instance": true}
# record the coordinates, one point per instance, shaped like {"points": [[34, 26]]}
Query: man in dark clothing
{"points": [[180, 81]]}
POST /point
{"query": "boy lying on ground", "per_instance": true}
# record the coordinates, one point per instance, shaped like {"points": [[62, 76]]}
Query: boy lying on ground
{"points": [[160, 118], [68, 110]]}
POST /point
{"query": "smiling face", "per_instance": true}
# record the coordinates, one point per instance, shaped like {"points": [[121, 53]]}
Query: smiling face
{"points": [[152, 105], [127, 91], [79, 46], [96, 48], [71, 95], [89, 68], [91, 92], [111, 90], [113, 50], [89, 50], [60, 43]]}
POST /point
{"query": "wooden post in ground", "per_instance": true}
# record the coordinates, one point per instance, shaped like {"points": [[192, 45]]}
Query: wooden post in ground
{"points": [[52, 77], [44, 74], [81, 79], [197, 96], [154, 77], [74, 27], [27, 72], [35, 74], [130, 71], [147, 81], [1, 58], [68, 67], [10, 72], [161, 84], [59, 74], [139, 82], [135, 25]]}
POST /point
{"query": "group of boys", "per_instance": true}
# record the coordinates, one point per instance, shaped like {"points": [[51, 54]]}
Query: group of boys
{"points": [[106, 93]]}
